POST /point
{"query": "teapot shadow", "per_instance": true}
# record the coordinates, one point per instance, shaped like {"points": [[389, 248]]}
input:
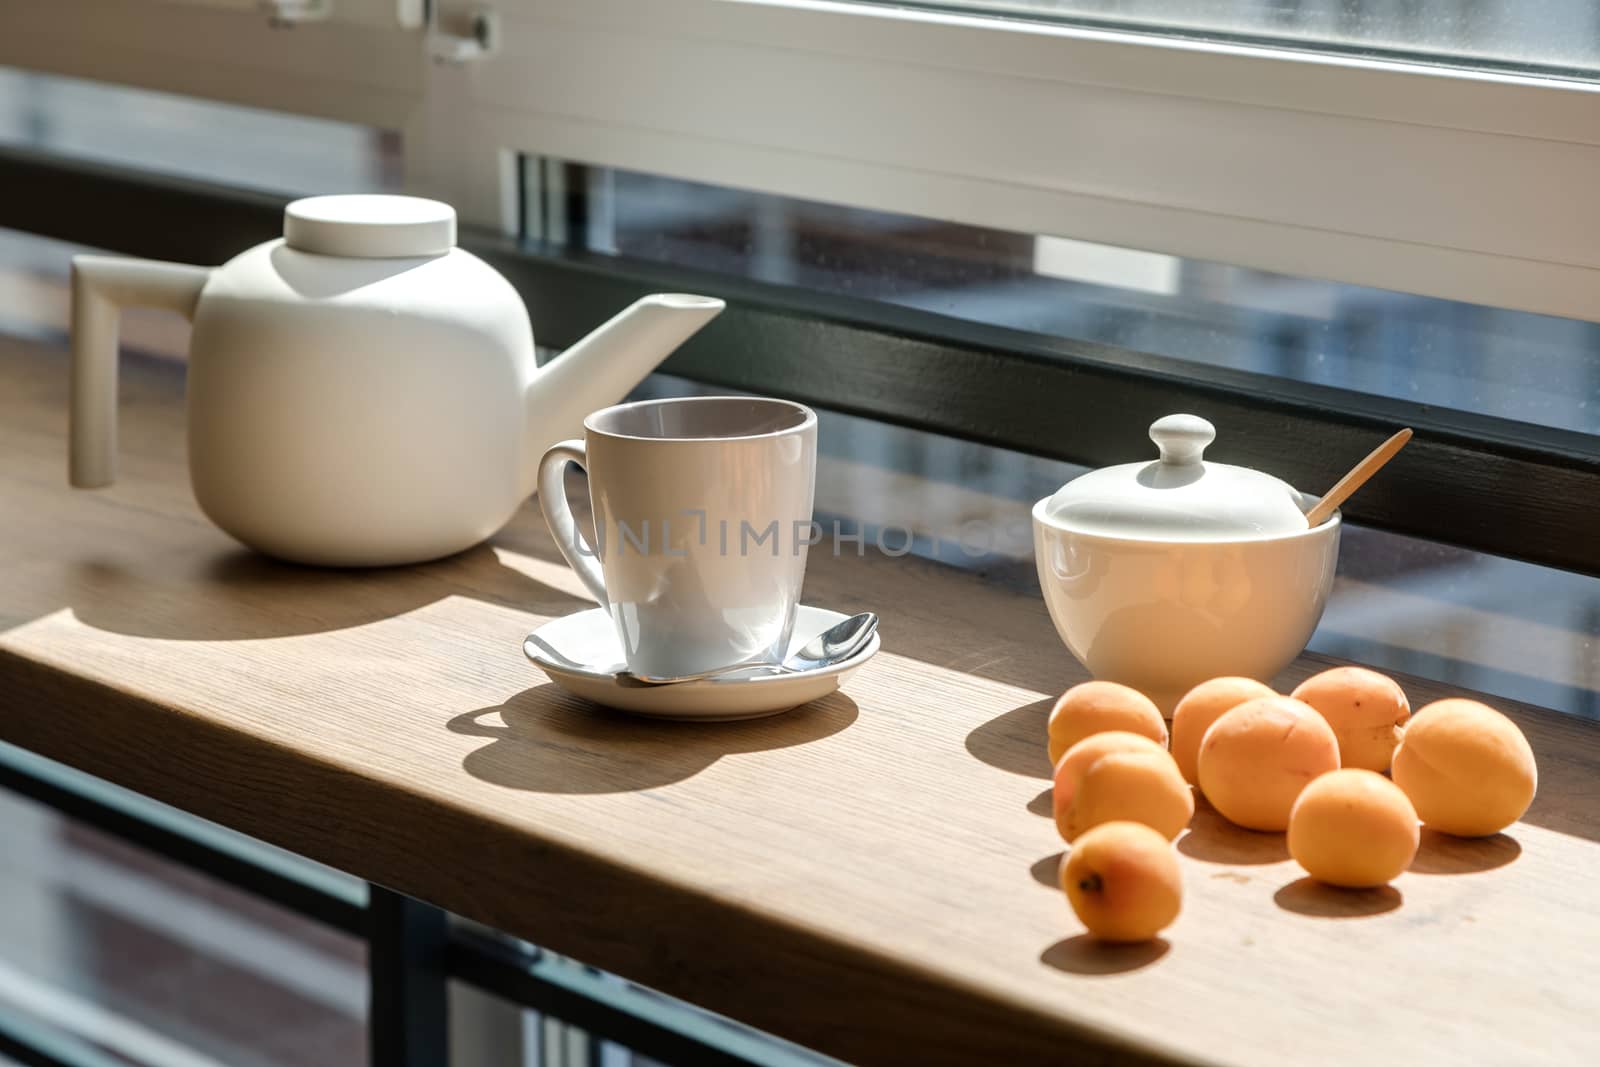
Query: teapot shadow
{"points": [[235, 594], [548, 741]]}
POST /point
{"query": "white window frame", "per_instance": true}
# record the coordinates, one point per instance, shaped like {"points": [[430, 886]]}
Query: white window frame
{"points": [[359, 63], [1452, 183]]}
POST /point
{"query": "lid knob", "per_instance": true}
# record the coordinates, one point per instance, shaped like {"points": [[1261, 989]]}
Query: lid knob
{"points": [[1182, 438], [369, 226]]}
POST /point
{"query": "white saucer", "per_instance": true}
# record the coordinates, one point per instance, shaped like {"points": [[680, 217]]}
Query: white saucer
{"points": [[581, 654]]}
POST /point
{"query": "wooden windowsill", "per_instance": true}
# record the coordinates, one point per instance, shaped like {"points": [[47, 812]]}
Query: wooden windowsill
{"points": [[862, 876]]}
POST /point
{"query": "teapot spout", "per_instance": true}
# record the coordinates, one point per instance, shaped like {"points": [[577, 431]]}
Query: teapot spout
{"points": [[600, 369]]}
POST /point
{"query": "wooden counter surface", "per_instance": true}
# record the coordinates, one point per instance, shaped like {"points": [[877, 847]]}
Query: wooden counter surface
{"points": [[863, 876]]}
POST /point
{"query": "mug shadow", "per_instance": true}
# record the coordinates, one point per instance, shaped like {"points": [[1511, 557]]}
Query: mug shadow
{"points": [[548, 741], [1442, 854], [1015, 741], [236, 594], [1087, 954], [1213, 839], [1306, 896]]}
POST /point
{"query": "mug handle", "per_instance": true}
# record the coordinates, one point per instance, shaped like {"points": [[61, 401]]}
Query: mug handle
{"points": [[583, 559]]}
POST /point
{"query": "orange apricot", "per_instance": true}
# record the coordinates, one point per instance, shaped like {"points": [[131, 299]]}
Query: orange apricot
{"points": [[1076, 760], [1256, 758], [1353, 828], [1367, 711], [1202, 706], [1467, 768], [1123, 882], [1143, 787], [1093, 707]]}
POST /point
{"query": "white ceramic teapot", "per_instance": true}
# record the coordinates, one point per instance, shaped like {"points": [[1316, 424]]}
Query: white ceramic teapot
{"points": [[361, 392]]}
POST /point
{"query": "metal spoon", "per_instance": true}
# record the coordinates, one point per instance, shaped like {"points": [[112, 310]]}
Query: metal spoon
{"points": [[834, 645]]}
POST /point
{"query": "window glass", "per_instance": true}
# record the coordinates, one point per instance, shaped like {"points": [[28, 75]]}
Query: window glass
{"points": [[1560, 34], [177, 135], [488, 1031], [107, 949], [1532, 368], [195, 138]]}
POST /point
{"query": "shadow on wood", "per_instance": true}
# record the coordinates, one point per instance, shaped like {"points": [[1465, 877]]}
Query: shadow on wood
{"points": [[1043, 804], [1047, 870], [1306, 896], [1015, 741], [1216, 840], [551, 742], [1443, 854], [1087, 954], [234, 594]]}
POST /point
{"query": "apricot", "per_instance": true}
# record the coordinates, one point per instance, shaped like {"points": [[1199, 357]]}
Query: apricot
{"points": [[1467, 768], [1093, 707], [1070, 767], [1123, 882], [1367, 711], [1256, 758], [1353, 828], [1202, 706], [1143, 787]]}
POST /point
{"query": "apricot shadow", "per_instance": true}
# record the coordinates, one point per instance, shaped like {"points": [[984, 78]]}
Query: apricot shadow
{"points": [[1047, 870], [1443, 854], [548, 741], [1043, 804], [1015, 740], [1213, 839], [1306, 896], [1087, 954]]}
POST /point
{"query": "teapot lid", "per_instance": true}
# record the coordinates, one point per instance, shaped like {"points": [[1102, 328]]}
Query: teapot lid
{"points": [[1178, 497], [369, 226]]}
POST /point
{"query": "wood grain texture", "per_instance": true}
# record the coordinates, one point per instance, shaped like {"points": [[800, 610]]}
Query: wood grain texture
{"points": [[863, 876]]}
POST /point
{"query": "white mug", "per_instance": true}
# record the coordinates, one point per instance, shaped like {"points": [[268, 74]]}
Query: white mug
{"points": [[702, 513]]}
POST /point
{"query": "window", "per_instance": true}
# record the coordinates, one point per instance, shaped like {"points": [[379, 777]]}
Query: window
{"points": [[113, 954], [1532, 368], [1368, 170], [1552, 34], [177, 135], [181, 135]]}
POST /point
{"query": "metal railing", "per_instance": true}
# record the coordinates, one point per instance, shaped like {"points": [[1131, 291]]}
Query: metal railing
{"points": [[413, 949]]}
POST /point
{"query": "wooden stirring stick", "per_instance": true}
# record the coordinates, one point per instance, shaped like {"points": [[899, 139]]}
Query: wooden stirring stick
{"points": [[1356, 478]]}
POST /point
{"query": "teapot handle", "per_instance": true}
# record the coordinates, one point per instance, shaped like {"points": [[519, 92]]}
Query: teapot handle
{"points": [[101, 287]]}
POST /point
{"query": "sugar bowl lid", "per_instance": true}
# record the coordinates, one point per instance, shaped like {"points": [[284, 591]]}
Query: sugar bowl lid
{"points": [[1178, 497]]}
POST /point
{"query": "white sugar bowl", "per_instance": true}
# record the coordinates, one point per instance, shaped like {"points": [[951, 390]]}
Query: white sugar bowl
{"points": [[1162, 574]]}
